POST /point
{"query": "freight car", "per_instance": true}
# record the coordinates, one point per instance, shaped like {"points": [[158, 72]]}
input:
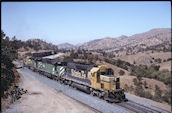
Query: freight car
{"points": [[95, 80]]}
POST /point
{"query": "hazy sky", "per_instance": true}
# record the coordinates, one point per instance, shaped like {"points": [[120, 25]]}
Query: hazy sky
{"points": [[78, 22]]}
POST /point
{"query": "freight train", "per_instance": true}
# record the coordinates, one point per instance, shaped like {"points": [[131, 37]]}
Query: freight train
{"points": [[95, 80]]}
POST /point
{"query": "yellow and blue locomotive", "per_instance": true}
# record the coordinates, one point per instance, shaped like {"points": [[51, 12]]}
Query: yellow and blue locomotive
{"points": [[95, 80]]}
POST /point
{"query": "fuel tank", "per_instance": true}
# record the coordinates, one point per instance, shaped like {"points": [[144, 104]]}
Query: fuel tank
{"points": [[81, 87]]}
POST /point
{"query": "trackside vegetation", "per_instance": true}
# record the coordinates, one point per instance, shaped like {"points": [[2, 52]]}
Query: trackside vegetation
{"points": [[152, 72], [8, 54]]}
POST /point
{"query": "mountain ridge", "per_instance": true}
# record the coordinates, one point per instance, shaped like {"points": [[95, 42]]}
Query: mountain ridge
{"points": [[151, 37]]}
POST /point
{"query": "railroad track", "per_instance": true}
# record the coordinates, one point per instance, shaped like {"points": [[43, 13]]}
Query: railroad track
{"points": [[138, 108]]}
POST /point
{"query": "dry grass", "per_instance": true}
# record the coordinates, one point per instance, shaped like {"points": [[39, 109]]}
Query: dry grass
{"points": [[148, 55], [150, 83], [127, 79], [165, 65]]}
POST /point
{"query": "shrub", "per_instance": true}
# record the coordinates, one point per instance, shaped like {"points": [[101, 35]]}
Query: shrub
{"points": [[158, 93], [122, 64], [145, 84], [131, 88], [121, 72], [158, 60], [126, 88], [154, 67], [139, 91], [151, 72], [148, 95], [135, 81], [164, 98], [151, 61], [169, 59], [140, 79], [134, 62]]}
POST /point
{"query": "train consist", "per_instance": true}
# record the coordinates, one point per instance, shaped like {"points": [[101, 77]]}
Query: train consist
{"points": [[95, 80]]}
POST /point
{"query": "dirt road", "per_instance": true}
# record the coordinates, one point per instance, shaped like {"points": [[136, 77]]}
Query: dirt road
{"points": [[44, 99]]}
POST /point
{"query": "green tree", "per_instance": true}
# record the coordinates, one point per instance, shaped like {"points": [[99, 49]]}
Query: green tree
{"points": [[7, 47], [8, 54]]}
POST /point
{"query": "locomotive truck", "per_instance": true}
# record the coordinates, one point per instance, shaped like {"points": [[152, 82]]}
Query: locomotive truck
{"points": [[95, 80]]}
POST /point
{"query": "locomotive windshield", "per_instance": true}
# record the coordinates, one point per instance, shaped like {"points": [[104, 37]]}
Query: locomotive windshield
{"points": [[107, 71]]}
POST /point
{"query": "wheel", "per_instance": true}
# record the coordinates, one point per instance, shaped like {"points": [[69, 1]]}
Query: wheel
{"points": [[61, 82], [70, 83], [92, 93], [100, 95]]}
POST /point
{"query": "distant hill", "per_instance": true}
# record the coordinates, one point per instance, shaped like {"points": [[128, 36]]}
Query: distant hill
{"points": [[155, 38], [65, 46], [35, 44], [149, 38]]}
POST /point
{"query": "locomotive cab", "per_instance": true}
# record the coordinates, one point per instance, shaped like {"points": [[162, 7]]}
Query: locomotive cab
{"points": [[108, 80], [103, 78]]}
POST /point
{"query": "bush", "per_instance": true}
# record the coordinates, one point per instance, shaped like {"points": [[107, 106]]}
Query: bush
{"points": [[167, 96], [134, 62], [121, 72], [158, 60], [154, 67], [145, 84], [151, 72], [122, 64], [135, 81], [164, 98], [151, 61], [169, 59], [126, 88], [158, 93], [131, 88], [148, 95], [139, 91]]}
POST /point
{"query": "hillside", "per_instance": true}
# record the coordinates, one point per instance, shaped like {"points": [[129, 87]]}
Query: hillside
{"points": [[65, 46], [146, 39], [32, 45], [38, 44], [148, 58]]}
